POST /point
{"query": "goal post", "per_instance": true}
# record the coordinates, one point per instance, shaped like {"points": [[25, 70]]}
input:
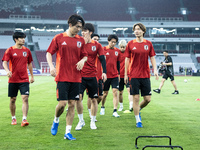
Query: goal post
{"points": [[45, 69]]}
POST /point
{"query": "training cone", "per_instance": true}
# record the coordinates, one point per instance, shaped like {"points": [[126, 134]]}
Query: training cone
{"points": [[198, 99]]}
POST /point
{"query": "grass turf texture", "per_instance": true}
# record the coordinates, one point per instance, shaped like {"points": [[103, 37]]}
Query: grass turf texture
{"points": [[174, 115]]}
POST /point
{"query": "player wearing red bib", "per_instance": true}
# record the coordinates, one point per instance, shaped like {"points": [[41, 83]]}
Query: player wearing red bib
{"points": [[113, 70], [70, 59], [139, 50], [19, 58], [89, 75]]}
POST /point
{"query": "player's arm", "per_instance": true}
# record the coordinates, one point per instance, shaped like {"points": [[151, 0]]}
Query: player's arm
{"points": [[103, 64], [167, 64], [127, 60], [153, 62], [5, 66], [80, 64], [52, 68], [30, 68]]}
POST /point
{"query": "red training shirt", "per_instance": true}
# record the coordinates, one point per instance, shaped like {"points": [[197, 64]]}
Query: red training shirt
{"points": [[90, 69], [139, 53], [69, 51], [122, 65], [112, 56], [99, 69], [18, 60]]}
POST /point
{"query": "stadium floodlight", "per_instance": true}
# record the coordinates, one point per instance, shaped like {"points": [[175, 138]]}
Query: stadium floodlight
{"points": [[184, 11]]}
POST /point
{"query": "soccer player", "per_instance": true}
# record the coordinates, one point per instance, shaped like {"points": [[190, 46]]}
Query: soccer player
{"points": [[122, 45], [19, 58], [138, 50], [113, 73], [89, 74], [70, 59], [96, 37], [169, 73]]}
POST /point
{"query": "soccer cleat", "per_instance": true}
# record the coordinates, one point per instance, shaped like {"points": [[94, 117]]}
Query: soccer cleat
{"points": [[139, 125], [115, 114], [102, 112], [127, 111], [69, 136], [80, 125], [157, 91], [120, 109], [175, 92], [14, 122], [24, 123], [54, 128], [93, 125], [140, 116]]}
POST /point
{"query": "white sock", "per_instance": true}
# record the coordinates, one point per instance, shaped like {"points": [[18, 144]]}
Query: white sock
{"points": [[93, 118], [89, 110], [80, 116], [56, 119], [24, 118], [130, 105], [68, 129], [121, 104], [13, 117], [137, 119]]}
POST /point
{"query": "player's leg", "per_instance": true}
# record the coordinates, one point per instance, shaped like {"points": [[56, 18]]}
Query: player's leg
{"points": [[130, 97], [12, 93], [115, 90], [135, 87], [94, 108], [24, 90], [100, 91], [174, 84], [121, 90], [89, 106]]}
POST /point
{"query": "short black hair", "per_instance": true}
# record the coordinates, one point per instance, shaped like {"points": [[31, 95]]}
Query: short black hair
{"points": [[74, 19], [89, 26], [94, 34], [112, 36], [166, 51], [18, 34]]}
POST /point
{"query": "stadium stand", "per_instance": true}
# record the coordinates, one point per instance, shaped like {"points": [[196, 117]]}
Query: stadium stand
{"points": [[41, 56]]}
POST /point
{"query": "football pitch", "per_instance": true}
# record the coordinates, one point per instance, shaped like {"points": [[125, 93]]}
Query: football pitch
{"points": [[177, 116]]}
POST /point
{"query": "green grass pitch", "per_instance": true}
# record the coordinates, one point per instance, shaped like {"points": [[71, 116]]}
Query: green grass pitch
{"points": [[177, 116]]}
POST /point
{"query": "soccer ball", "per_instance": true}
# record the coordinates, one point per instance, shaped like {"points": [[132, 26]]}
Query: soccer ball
{"points": [[185, 80]]}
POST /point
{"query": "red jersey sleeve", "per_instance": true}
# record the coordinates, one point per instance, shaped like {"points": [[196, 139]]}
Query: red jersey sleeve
{"points": [[127, 51], [152, 52], [100, 50], [53, 47], [6, 56], [119, 55], [30, 58]]}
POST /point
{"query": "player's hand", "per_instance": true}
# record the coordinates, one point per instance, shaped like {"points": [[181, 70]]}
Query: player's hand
{"points": [[53, 71], [80, 64], [125, 79], [9, 74], [156, 74], [32, 80], [104, 77]]}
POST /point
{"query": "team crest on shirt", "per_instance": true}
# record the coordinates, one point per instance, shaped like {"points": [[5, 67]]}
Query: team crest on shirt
{"points": [[24, 54], [116, 53], [146, 47], [79, 44], [94, 48]]}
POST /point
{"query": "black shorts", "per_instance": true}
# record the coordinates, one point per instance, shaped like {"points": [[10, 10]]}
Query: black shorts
{"points": [[100, 87], [122, 83], [111, 81], [67, 91], [168, 75], [91, 84], [140, 84], [14, 87]]}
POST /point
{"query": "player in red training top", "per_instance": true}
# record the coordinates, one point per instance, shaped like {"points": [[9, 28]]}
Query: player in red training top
{"points": [[122, 46], [113, 70], [19, 58], [89, 73], [96, 37], [70, 59], [138, 50]]}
